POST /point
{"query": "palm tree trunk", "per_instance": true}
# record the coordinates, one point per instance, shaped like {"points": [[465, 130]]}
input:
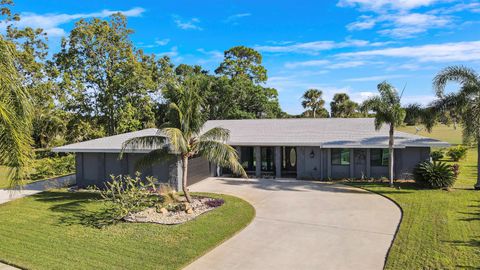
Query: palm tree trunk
{"points": [[184, 178], [390, 152], [477, 185]]}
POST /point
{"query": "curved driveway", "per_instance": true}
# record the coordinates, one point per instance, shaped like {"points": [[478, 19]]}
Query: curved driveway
{"points": [[304, 225]]}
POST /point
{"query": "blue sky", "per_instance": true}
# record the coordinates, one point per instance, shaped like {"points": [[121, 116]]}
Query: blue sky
{"points": [[336, 46]]}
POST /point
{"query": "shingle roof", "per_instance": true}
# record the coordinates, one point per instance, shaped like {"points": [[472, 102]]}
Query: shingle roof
{"points": [[322, 132]]}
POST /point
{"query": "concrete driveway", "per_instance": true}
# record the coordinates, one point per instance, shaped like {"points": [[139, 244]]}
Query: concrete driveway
{"points": [[304, 225]]}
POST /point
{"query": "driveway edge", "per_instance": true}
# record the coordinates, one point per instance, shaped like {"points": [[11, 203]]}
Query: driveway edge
{"points": [[399, 222]]}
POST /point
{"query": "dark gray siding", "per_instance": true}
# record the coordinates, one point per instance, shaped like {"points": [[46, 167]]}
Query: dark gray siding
{"points": [[309, 167], [198, 169], [96, 168]]}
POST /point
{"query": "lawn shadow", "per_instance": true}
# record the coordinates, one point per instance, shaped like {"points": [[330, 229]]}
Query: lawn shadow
{"points": [[73, 207], [473, 215]]}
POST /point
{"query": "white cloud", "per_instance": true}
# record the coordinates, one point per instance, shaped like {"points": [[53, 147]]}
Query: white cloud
{"points": [[379, 5], [162, 42], [314, 47], [398, 19], [447, 52], [324, 63], [365, 22], [374, 78], [407, 25], [191, 24], [51, 22], [212, 56], [235, 17], [310, 63]]}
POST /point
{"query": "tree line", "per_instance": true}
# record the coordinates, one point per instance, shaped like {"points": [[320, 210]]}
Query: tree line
{"points": [[99, 83]]}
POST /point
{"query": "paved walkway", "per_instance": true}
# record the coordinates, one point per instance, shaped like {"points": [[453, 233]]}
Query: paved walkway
{"points": [[304, 225], [7, 195]]}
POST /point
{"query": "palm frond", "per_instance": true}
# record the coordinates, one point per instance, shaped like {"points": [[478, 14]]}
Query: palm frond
{"points": [[15, 117], [459, 74], [222, 154], [155, 156], [216, 134], [178, 143], [144, 142]]}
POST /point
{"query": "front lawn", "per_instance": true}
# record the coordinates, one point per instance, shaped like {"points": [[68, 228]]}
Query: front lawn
{"points": [[54, 230], [440, 229]]}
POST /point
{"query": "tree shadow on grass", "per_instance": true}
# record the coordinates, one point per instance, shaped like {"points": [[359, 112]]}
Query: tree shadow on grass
{"points": [[74, 208], [473, 215]]}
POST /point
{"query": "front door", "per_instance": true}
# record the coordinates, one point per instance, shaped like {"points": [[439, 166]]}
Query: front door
{"points": [[289, 161]]}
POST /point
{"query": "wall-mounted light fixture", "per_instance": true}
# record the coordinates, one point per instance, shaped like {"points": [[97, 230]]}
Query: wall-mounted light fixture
{"points": [[312, 154]]}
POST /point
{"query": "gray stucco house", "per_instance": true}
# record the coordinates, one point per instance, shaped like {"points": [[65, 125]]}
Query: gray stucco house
{"points": [[313, 149]]}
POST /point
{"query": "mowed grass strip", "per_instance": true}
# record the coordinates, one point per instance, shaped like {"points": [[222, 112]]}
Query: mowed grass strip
{"points": [[440, 229], [53, 230]]}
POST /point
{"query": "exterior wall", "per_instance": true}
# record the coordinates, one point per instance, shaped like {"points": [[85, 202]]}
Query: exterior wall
{"points": [[309, 167], [96, 168], [406, 159]]}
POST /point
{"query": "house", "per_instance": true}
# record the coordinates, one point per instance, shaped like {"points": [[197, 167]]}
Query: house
{"points": [[317, 149]]}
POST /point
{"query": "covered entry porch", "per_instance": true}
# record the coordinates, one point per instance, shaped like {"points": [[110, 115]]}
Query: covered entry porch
{"points": [[269, 161]]}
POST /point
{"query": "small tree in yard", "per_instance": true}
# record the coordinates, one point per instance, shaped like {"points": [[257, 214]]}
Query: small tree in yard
{"points": [[389, 111], [465, 103], [183, 135]]}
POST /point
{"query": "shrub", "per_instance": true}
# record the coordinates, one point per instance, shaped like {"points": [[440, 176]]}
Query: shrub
{"points": [[434, 174], [52, 166], [456, 170], [215, 202], [457, 153], [437, 154], [127, 194]]}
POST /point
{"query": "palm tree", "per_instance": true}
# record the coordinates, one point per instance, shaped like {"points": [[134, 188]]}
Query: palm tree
{"points": [[15, 117], [389, 111], [312, 99], [184, 136], [465, 102]]}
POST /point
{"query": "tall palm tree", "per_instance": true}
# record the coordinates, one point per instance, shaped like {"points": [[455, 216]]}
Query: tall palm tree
{"points": [[312, 99], [389, 111], [15, 117], [184, 136], [465, 102]]}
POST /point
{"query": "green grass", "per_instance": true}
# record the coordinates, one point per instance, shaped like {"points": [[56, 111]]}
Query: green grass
{"points": [[440, 132], [53, 230], [439, 229]]}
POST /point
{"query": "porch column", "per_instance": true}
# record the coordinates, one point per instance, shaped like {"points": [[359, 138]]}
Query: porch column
{"points": [[258, 162], [321, 164], [329, 163], [278, 162], [368, 163], [352, 165]]}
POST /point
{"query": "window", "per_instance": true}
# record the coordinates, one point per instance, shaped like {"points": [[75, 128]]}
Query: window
{"points": [[340, 156], [379, 157], [248, 158]]}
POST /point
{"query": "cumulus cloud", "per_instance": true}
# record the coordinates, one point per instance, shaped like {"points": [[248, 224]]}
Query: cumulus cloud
{"points": [[51, 22], [374, 78]]}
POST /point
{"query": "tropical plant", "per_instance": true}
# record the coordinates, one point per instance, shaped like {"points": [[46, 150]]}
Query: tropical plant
{"points": [[313, 102], [437, 154], [389, 111], [342, 106], [15, 116], [183, 134], [457, 153], [128, 194], [434, 174], [465, 102]]}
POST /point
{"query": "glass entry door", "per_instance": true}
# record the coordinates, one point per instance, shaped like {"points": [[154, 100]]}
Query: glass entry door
{"points": [[268, 164], [289, 161]]}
